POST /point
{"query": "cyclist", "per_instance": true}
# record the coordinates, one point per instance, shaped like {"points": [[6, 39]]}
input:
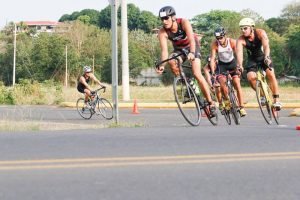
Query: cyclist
{"points": [[83, 83], [225, 48], [212, 82], [179, 31], [257, 44]]}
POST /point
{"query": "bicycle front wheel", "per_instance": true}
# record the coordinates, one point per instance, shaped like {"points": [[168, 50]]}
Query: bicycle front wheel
{"points": [[83, 111], [187, 102], [104, 108], [263, 102], [234, 107]]}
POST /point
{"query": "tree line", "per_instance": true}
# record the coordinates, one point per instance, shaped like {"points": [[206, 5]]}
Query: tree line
{"points": [[88, 40]]}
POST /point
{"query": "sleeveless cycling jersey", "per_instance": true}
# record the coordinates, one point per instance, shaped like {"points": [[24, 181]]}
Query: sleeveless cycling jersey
{"points": [[80, 86], [178, 39], [254, 48], [225, 54]]}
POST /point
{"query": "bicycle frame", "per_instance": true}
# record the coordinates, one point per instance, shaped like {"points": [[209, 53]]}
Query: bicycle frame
{"points": [[266, 109], [261, 77], [200, 103]]}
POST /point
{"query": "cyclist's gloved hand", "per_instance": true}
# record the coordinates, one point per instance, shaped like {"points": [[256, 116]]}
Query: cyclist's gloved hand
{"points": [[160, 69], [267, 60], [191, 56]]}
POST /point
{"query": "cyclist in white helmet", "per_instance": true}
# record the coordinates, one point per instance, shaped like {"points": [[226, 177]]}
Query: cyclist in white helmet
{"points": [[83, 82], [256, 43]]}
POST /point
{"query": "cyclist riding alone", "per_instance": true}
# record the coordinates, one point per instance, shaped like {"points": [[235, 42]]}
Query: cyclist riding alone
{"points": [[179, 31], [257, 44], [83, 83], [212, 82], [225, 48]]}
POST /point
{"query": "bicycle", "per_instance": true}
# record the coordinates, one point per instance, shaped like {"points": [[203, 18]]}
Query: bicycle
{"points": [[98, 106], [263, 95], [189, 103], [234, 103]]}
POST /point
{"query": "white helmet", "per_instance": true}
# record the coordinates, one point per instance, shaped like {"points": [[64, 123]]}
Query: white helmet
{"points": [[247, 22], [87, 69]]}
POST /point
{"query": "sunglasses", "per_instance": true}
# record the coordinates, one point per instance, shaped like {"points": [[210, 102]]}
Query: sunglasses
{"points": [[164, 18], [244, 28], [219, 38]]}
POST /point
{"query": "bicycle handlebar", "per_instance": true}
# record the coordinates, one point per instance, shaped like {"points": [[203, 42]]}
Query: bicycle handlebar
{"points": [[101, 88], [183, 52]]}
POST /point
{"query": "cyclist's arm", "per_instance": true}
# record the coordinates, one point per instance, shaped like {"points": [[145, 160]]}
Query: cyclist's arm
{"points": [[239, 52], [163, 41], [262, 35], [96, 80], [213, 53], [187, 27]]}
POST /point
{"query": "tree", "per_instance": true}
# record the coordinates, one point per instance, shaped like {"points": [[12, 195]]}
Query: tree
{"points": [[293, 42], [84, 18], [279, 25], [292, 12]]}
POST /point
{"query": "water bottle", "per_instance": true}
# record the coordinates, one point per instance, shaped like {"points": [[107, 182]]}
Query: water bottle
{"points": [[195, 86], [196, 89]]}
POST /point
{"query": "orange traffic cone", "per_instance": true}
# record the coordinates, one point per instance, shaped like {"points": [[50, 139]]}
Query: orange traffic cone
{"points": [[135, 108]]}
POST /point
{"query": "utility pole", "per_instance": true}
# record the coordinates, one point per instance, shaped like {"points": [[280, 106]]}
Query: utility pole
{"points": [[125, 62], [15, 50], [114, 19]]}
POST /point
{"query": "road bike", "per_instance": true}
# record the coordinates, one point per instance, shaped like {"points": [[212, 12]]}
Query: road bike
{"points": [[95, 105], [234, 110], [263, 96], [190, 104]]}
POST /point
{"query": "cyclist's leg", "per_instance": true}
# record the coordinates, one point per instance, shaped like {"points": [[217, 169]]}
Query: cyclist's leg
{"points": [[273, 84], [196, 68], [251, 73], [207, 75], [173, 63], [87, 94]]}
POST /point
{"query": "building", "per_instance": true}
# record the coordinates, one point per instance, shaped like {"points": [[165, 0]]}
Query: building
{"points": [[36, 27]]}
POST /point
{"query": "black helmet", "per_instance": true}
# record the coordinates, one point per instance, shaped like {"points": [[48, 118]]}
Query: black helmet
{"points": [[220, 32], [166, 11]]}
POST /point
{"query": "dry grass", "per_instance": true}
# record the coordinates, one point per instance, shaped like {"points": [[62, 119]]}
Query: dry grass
{"points": [[288, 94]]}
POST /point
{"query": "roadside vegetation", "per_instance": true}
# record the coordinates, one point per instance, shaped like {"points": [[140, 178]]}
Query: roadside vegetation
{"points": [[41, 58]]}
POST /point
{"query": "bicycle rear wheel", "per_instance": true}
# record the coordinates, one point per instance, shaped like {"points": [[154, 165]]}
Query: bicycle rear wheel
{"points": [[83, 111], [234, 107], [104, 108], [264, 105], [187, 102], [227, 116]]}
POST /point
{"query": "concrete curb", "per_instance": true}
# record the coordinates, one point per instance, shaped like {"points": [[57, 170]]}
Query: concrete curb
{"points": [[295, 112]]}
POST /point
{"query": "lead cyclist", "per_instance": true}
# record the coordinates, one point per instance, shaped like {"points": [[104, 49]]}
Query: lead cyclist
{"points": [[179, 31]]}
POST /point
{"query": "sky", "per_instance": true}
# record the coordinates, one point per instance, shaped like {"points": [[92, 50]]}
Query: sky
{"points": [[40, 10]]}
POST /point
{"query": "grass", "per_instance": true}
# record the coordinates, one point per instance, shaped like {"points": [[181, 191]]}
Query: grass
{"points": [[288, 94]]}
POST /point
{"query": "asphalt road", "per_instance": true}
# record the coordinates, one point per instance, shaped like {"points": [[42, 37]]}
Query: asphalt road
{"points": [[163, 158]]}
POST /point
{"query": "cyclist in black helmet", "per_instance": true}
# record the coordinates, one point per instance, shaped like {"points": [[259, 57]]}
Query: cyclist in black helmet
{"points": [[179, 31], [224, 48]]}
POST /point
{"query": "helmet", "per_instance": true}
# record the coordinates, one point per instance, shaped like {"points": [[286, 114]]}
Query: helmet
{"points": [[166, 11], [87, 69], [220, 32], [247, 22]]}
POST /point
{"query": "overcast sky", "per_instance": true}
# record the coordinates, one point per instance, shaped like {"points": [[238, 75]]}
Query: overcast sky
{"points": [[35, 10]]}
